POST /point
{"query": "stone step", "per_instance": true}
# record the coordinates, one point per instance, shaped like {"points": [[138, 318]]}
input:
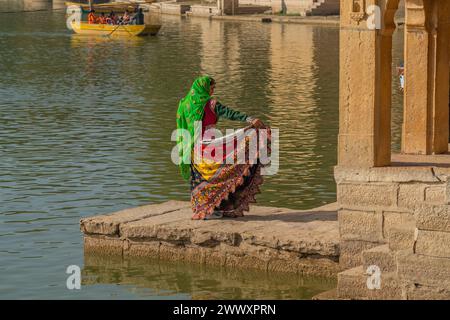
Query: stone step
{"points": [[325, 7], [421, 270], [433, 243], [380, 256], [433, 217], [353, 284], [266, 238], [402, 237]]}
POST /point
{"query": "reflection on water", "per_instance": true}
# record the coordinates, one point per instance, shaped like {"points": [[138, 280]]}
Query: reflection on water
{"points": [[186, 281], [86, 125]]}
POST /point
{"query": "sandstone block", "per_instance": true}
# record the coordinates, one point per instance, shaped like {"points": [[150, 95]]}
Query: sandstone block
{"points": [[360, 225], [395, 219], [433, 217], [370, 194], [103, 245], [411, 195], [423, 270], [380, 256], [402, 237], [142, 249], [352, 284], [109, 224], [435, 194], [433, 243], [421, 292], [351, 252]]}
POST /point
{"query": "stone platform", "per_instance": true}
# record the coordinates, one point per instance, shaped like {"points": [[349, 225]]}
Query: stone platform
{"points": [[267, 238]]}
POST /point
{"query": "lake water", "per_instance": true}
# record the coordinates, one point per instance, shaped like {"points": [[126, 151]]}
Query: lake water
{"points": [[85, 126]]}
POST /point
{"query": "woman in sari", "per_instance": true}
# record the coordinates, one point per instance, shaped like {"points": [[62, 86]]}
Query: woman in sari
{"points": [[218, 188]]}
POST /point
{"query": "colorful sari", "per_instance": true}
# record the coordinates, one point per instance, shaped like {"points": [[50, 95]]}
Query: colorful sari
{"points": [[219, 182]]}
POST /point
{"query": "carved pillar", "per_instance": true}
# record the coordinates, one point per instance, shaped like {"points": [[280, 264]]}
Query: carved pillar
{"points": [[365, 84], [425, 123]]}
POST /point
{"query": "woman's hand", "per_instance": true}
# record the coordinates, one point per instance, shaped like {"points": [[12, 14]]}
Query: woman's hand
{"points": [[257, 123]]}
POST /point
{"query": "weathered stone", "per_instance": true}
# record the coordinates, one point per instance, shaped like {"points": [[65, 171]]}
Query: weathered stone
{"points": [[402, 237], [421, 292], [411, 195], [352, 284], [321, 266], [148, 249], [423, 270], [269, 239], [381, 257], [109, 224], [435, 194], [396, 219], [433, 243], [104, 245], [360, 225], [171, 252], [367, 195], [395, 173], [304, 232], [432, 217], [351, 252]]}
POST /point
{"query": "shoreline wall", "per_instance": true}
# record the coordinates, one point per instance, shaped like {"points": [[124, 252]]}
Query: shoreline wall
{"points": [[24, 5]]}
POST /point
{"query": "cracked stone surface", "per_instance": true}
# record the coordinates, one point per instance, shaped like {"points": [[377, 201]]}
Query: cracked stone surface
{"points": [[267, 234]]}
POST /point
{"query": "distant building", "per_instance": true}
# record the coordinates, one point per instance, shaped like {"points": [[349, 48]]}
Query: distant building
{"points": [[300, 7]]}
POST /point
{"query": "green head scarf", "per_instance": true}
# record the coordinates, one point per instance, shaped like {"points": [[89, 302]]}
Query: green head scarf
{"points": [[190, 110]]}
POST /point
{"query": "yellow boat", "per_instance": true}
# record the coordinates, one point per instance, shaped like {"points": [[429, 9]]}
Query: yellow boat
{"points": [[115, 30], [106, 7]]}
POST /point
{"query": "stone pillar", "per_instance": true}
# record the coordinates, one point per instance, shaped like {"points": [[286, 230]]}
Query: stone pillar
{"points": [[425, 123], [365, 86], [228, 7]]}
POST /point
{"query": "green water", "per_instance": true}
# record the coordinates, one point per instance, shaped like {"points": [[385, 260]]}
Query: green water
{"points": [[85, 127]]}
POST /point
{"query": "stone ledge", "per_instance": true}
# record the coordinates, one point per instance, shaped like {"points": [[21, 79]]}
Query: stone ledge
{"points": [[352, 284], [272, 239]]}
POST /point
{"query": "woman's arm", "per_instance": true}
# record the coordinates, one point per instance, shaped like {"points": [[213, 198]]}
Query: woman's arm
{"points": [[230, 114]]}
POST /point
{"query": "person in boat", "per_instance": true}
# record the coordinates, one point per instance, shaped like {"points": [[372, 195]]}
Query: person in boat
{"points": [[111, 19], [92, 19], [218, 188], [126, 17], [102, 18], [138, 17]]}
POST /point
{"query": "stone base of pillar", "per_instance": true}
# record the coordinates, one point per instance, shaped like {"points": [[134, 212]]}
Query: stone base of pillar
{"points": [[395, 221]]}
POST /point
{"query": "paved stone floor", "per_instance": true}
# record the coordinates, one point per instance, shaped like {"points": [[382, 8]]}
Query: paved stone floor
{"points": [[267, 238]]}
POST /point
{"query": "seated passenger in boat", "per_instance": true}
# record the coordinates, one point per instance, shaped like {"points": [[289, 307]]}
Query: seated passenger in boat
{"points": [[102, 18], [91, 17], [125, 19], [111, 19]]}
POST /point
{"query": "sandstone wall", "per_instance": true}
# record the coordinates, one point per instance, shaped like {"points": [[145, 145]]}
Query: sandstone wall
{"points": [[398, 219]]}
